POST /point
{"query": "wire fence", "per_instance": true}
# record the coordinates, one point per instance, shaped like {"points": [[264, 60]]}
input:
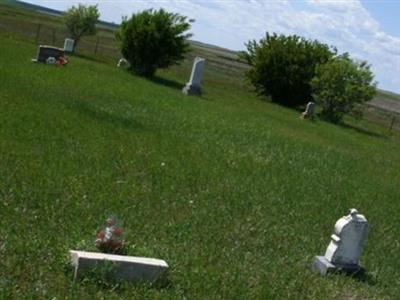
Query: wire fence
{"points": [[384, 117], [103, 43]]}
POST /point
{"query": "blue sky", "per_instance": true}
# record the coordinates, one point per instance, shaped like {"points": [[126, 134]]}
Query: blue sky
{"points": [[367, 29]]}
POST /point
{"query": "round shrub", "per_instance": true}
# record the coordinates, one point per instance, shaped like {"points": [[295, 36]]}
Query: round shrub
{"points": [[153, 39], [341, 84], [283, 66]]}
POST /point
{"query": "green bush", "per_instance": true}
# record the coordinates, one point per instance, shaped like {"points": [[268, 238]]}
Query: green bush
{"points": [[81, 20], [340, 84], [282, 66], [153, 39]]}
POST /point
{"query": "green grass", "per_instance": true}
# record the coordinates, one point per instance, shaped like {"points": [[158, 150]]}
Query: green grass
{"points": [[248, 194], [236, 194]]}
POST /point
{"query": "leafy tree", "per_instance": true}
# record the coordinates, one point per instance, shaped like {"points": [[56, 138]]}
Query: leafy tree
{"points": [[282, 66], [81, 21], [340, 84], [153, 39]]}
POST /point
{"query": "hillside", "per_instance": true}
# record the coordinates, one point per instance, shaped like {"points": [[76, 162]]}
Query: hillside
{"points": [[225, 58], [387, 101], [236, 194]]}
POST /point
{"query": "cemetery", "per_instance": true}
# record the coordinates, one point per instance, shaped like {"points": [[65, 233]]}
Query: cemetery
{"points": [[217, 195]]}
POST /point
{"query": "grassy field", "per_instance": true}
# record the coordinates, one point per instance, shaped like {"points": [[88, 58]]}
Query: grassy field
{"points": [[236, 194]]}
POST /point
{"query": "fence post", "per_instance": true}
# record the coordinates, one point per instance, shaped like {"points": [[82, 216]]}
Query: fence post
{"points": [[54, 36], [97, 44], [392, 123], [38, 33]]}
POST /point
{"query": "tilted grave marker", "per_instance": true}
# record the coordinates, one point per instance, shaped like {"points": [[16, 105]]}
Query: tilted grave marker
{"points": [[309, 113], [193, 87], [345, 248], [69, 45]]}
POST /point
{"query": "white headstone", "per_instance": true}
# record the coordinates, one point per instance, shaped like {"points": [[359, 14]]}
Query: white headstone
{"points": [[123, 63], [346, 244], [127, 268], [197, 72], [345, 248], [309, 112], [193, 87], [69, 45], [310, 108]]}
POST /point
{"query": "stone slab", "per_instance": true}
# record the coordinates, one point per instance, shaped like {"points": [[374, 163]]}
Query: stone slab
{"points": [[323, 266], [125, 268]]}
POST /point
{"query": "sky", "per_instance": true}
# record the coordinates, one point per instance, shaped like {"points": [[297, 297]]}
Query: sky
{"points": [[367, 29]]}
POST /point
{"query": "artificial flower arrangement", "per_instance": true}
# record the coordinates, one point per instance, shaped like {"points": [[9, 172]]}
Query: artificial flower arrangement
{"points": [[110, 239]]}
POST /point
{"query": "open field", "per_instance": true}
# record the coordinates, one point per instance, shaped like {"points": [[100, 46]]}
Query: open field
{"points": [[386, 103], [236, 194]]}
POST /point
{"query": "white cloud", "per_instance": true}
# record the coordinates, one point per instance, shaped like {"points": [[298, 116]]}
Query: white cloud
{"points": [[345, 24], [357, 32]]}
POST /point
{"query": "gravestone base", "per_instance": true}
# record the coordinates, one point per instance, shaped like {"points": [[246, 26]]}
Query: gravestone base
{"points": [[191, 90], [323, 266], [121, 268], [305, 115]]}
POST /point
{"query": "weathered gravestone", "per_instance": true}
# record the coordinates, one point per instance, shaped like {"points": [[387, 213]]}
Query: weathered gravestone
{"points": [[44, 52], [123, 63], [310, 111], [123, 268], [193, 87], [69, 45], [345, 248]]}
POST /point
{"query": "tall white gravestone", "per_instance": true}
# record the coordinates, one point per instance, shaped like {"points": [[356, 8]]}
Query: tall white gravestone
{"points": [[69, 45], [345, 248], [193, 87]]}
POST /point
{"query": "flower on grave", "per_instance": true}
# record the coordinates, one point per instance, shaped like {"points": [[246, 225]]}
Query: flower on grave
{"points": [[51, 60], [111, 238]]}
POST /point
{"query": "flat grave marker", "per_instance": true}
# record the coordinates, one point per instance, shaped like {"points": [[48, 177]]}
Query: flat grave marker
{"points": [[125, 268]]}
